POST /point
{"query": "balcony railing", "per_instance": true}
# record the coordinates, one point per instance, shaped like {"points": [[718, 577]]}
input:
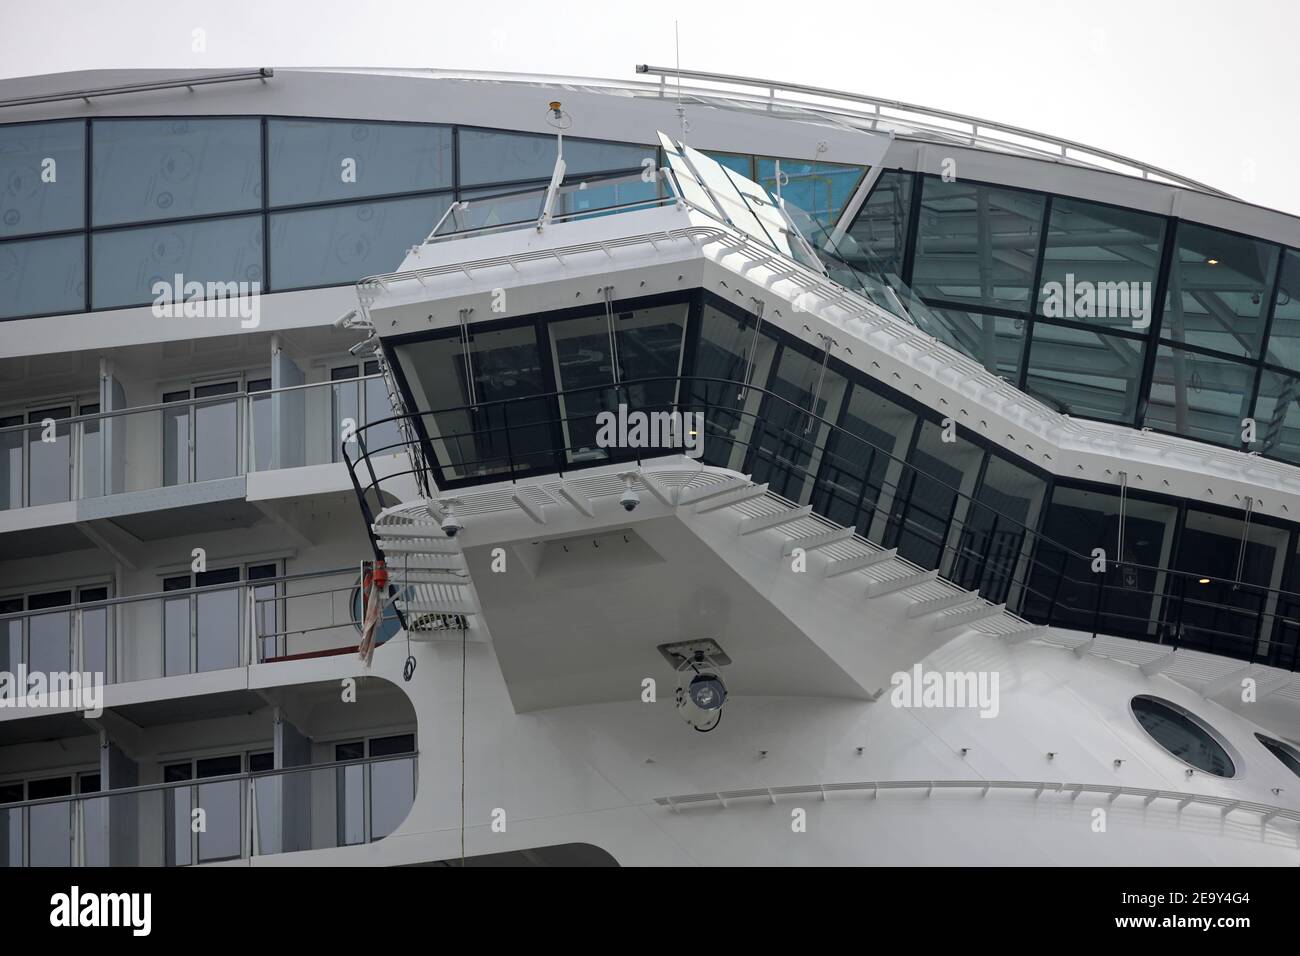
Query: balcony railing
{"points": [[314, 807], [192, 630], [891, 503], [179, 443]]}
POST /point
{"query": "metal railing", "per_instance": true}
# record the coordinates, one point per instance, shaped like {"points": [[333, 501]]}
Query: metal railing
{"points": [[312, 807], [191, 630], [168, 444], [850, 481]]}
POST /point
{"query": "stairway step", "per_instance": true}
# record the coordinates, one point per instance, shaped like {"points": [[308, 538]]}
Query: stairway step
{"points": [[428, 546], [423, 561], [764, 522], [438, 607], [695, 496], [858, 562], [426, 576], [967, 617], [881, 588], [736, 498], [812, 542], [939, 605], [1024, 634]]}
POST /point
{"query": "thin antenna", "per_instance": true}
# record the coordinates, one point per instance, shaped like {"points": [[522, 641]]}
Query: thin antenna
{"points": [[681, 112]]}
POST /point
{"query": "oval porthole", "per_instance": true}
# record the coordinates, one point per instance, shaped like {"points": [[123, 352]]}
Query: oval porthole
{"points": [[1283, 752], [1183, 735]]}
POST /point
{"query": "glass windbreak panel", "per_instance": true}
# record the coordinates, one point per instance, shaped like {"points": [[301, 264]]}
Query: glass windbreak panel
{"points": [[267, 614], [1199, 396], [49, 826], [92, 453], [819, 189], [995, 542], [216, 432], [42, 177], [349, 795], [11, 636], [345, 407], [729, 190], [496, 156], [487, 439], [94, 633], [649, 343], [878, 235], [12, 439], [1100, 264], [177, 627], [384, 437], [392, 784], [1284, 336], [1219, 289], [791, 435], [486, 208], [42, 276], [262, 425], [1084, 373], [176, 812], [1064, 590], [217, 621], [94, 822], [995, 341], [977, 244], [128, 263], [220, 802], [173, 168], [342, 244], [49, 636], [861, 470], [176, 438], [603, 197], [1277, 417], [930, 507], [736, 162], [312, 161], [1222, 612], [1183, 736], [731, 352], [49, 456]]}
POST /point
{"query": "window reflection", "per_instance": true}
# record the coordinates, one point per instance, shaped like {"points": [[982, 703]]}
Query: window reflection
{"points": [[879, 233], [1086, 373], [42, 276], [42, 177], [494, 156], [1200, 396]]}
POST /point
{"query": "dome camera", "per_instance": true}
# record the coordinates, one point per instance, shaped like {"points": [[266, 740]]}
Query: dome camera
{"points": [[629, 499], [699, 700], [451, 525]]}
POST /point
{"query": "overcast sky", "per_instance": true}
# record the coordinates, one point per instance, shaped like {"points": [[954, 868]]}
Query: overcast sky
{"points": [[1209, 90]]}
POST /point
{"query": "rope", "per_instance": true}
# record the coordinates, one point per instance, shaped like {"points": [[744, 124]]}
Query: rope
{"points": [[464, 692]]}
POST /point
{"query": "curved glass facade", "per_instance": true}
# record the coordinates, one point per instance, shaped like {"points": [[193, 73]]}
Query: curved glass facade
{"points": [[94, 212], [1099, 311], [1182, 735]]}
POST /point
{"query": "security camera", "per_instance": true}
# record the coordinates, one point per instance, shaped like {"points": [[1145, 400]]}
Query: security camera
{"points": [[342, 321], [699, 700], [450, 524], [629, 499]]}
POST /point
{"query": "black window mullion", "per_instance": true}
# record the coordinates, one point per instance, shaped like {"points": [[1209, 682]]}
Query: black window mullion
{"points": [[1167, 252], [1035, 288], [913, 227]]}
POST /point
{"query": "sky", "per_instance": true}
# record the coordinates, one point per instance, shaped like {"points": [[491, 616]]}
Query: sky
{"points": [[1208, 90]]}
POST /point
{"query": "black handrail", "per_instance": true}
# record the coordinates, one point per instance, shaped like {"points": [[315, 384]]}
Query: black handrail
{"points": [[961, 559]]}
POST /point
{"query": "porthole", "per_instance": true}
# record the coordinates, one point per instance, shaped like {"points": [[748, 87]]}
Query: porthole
{"points": [[1186, 737], [1283, 752]]}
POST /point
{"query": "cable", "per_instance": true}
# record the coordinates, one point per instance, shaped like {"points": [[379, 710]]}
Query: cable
{"points": [[464, 693]]}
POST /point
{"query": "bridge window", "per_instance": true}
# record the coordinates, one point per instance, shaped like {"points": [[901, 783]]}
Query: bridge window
{"points": [[1084, 373], [43, 169], [1284, 752], [1184, 736]]}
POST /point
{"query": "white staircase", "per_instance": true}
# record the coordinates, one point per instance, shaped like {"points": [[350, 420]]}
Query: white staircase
{"points": [[426, 567]]}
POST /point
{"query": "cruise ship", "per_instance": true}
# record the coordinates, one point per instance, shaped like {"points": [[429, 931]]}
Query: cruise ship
{"points": [[426, 467]]}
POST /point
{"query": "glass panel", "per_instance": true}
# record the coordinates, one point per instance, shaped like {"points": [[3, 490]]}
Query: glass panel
{"points": [[476, 442], [173, 168], [176, 628], [1084, 373], [927, 514], [995, 544], [1199, 396], [176, 439], [94, 823], [977, 244], [879, 233], [342, 244], [788, 447], [128, 262], [49, 636], [49, 826], [11, 636], [11, 462], [262, 425], [1100, 264], [1219, 287], [43, 276], [1182, 736], [1289, 756], [736, 162], [216, 433], [177, 805], [995, 341], [94, 633], [49, 463], [1065, 592], [92, 453], [392, 784], [42, 177], [819, 189], [728, 347], [221, 805], [1277, 417], [858, 478], [494, 156], [386, 436], [345, 404], [217, 621], [350, 795], [320, 160], [1284, 338]]}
